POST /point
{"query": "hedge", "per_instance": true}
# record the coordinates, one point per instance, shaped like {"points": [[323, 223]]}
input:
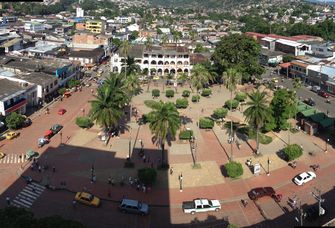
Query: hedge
{"points": [[240, 96], [234, 169], [206, 123], [234, 104], [84, 122], [206, 92], [186, 93], [147, 176], [220, 113], [181, 103], [195, 98], [185, 135], [292, 152], [169, 93], [61, 91], [155, 93]]}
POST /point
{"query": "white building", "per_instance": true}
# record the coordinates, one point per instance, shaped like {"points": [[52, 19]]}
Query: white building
{"points": [[79, 12], [33, 27], [157, 60], [122, 20], [133, 27]]}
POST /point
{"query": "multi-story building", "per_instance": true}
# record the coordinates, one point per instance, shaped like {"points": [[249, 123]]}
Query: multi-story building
{"points": [[34, 26], [84, 40], [95, 26], [156, 60]]}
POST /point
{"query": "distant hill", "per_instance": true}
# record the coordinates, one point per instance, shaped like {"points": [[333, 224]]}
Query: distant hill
{"points": [[200, 3]]}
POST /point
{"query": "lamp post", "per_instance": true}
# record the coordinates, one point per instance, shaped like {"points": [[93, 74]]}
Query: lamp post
{"points": [[326, 149], [181, 182], [129, 145], [269, 162]]}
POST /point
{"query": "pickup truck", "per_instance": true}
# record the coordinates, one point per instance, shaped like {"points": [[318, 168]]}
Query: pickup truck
{"points": [[201, 205]]}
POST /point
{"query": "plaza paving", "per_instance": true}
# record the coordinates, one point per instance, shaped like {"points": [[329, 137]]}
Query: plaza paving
{"points": [[82, 148]]}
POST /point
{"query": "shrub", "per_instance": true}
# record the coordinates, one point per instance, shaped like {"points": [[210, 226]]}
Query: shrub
{"points": [[292, 152], [206, 123], [73, 83], [84, 122], [220, 113], [169, 93], [232, 103], [186, 93], [155, 93], [240, 96], [181, 103], [195, 98], [61, 91], [206, 92], [14, 120], [185, 135], [234, 169], [147, 175]]}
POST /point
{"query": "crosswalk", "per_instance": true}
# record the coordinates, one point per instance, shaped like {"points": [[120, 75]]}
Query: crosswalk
{"points": [[28, 195], [13, 158]]}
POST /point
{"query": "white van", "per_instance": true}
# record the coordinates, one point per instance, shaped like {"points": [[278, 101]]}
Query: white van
{"points": [[316, 89]]}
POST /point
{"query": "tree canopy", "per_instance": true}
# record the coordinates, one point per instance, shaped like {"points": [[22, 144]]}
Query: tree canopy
{"points": [[239, 52]]}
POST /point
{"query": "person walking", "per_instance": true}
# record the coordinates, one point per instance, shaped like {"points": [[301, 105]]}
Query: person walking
{"points": [[94, 178], [8, 200], [171, 170], [109, 180], [74, 203], [39, 169], [53, 169]]}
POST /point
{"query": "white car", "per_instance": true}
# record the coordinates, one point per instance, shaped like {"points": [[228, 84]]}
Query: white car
{"points": [[304, 177]]}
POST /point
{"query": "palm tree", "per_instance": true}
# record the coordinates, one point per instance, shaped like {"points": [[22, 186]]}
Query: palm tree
{"points": [[257, 112], [133, 67], [164, 124], [231, 78], [124, 47], [200, 76], [108, 107], [297, 84]]}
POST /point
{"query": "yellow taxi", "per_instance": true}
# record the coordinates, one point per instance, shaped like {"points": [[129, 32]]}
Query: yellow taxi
{"points": [[2, 155], [12, 134], [87, 198]]}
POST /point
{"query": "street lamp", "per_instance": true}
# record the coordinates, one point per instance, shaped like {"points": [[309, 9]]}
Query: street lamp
{"points": [[181, 182], [269, 162], [327, 141]]}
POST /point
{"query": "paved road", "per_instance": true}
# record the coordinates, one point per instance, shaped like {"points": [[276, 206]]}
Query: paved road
{"points": [[304, 92]]}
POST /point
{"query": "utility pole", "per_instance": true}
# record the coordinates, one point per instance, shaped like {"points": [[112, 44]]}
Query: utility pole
{"points": [[317, 196], [301, 213]]}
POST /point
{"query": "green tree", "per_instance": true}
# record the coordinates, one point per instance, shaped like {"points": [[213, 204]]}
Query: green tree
{"points": [[14, 120], [234, 169], [231, 78], [124, 48], [164, 124], [108, 107], [73, 83], [199, 48], [199, 77], [282, 107], [257, 112], [240, 52]]}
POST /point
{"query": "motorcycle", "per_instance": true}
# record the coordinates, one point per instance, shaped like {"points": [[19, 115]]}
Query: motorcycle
{"points": [[293, 164]]}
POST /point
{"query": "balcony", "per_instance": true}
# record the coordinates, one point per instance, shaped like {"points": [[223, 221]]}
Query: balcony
{"points": [[16, 105]]}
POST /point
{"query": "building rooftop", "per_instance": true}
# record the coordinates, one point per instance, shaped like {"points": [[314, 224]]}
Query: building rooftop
{"points": [[42, 47], [327, 70], [8, 88], [87, 53]]}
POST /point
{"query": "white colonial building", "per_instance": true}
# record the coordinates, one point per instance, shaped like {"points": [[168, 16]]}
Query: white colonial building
{"points": [[156, 60]]}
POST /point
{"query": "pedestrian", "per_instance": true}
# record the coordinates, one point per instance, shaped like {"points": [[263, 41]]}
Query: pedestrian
{"points": [[8, 200], [53, 169], [171, 170], [144, 158], [152, 165], [138, 187], [92, 90], [39, 169], [143, 188], [109, 180], [94, 178], [74, 203], [33, 189]]}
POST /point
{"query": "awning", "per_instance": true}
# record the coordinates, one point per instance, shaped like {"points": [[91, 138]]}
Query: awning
{"points": [[328, 122], [285, 65], [318, 117]]}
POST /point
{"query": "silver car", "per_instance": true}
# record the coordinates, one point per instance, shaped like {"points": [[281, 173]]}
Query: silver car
{"points": [[134, 207]]}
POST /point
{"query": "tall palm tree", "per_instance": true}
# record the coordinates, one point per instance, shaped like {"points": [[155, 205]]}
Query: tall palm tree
{"points": [[257, 112], [124, 47], [164, 124], [231, 78], [291, 106], [200, 76], [108, 107]]}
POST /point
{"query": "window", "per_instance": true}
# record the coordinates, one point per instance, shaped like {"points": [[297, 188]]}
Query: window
{"points": [[207, 206], [199, 207], [153, 56]]}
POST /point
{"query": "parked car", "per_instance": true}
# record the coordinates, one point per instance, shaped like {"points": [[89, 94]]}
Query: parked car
{"points": [[56, 128], [2, 155], [324, 94], [61, 111], [2, 137], [201, 205], [304, 177], [27, 122], [310, 101], [42, 141], [134, 207], [87, 199], [12, 134], [30, 154], [316, 89], [48, 134], [257, 193]]}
